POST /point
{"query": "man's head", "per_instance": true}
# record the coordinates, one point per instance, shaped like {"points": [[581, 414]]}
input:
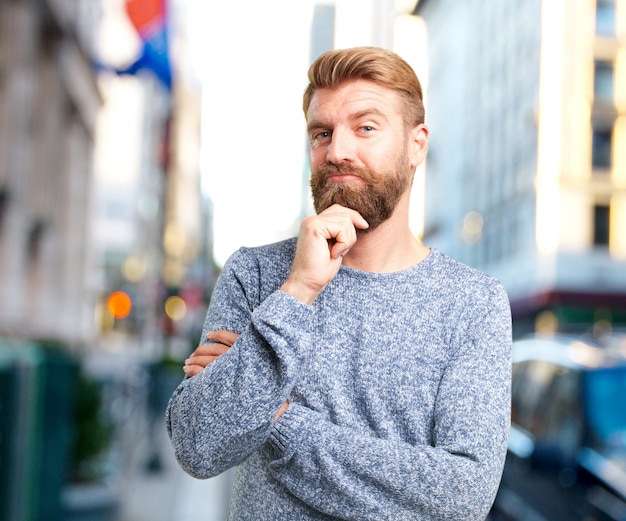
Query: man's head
{"points": [[365, 119], [380, 66]]}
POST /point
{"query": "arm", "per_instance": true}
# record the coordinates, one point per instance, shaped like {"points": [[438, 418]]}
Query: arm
{"points": [[454, 477], [221, 415], [219, 342], [216, 418]]}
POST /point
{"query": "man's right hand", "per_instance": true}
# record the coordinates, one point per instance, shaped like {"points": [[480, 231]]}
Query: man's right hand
{"points": [[323, 241]]}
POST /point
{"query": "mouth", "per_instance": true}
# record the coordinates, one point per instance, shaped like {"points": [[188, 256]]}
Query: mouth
{"points": [[342, 178]]}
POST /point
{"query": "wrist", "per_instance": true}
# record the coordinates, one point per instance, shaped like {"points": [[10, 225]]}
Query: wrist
{"points": [[300, 292]]}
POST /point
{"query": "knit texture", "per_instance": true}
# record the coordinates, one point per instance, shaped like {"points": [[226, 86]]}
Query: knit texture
{"points": [[398, 384]]}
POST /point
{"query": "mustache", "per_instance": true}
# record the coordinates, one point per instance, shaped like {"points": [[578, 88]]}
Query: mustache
{"points": [[326, 170]]}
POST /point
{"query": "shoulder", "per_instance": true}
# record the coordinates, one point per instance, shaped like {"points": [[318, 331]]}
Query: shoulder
{"points": [[463, 282], [270, 254], [270, 262]]}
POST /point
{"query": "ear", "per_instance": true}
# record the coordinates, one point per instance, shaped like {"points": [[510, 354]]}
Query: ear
{"points": [[418, 144]]}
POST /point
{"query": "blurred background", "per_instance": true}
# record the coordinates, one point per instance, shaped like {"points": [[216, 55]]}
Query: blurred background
{"points": [[143, 141]]}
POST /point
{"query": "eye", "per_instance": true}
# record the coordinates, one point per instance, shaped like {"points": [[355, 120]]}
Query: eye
{"points": [[320, 136]]}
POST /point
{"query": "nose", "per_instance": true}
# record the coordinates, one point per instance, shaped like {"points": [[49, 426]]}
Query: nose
{"points": [[340, 148]]}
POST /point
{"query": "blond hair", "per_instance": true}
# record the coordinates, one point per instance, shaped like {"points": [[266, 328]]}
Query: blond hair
{"points": [[375, 64]]}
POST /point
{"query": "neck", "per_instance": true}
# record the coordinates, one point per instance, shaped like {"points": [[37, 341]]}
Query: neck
{"points": [[390, 247]]}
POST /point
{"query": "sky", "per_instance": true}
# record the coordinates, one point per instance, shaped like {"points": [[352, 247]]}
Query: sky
{"points": [[252, 58]]}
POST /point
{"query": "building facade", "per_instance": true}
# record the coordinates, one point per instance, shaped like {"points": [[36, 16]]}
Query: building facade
{"points": [[526, 174], [99, 175], [48, 108]]}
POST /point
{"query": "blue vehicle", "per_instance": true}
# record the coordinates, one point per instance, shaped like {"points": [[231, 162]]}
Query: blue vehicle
{"points": [[567, 446]]}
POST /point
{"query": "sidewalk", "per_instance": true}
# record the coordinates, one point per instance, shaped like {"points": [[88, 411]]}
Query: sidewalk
{"points": [[161, 492], [170, 494]]}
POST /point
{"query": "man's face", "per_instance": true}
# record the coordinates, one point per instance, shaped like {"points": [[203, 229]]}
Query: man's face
{"points": [[359, 150]]}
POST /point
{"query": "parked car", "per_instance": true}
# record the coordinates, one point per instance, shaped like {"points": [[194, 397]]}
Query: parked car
{"points": [[567, 446]]}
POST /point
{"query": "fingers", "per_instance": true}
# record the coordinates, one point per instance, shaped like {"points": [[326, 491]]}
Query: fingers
{"points": [[339, 225], [280, 412], [192, 370], [205, 354], [324, 239], [355, 217], [223, 336]]}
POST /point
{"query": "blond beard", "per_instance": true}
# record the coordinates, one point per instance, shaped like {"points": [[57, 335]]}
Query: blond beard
{"points": [[375, 199]]}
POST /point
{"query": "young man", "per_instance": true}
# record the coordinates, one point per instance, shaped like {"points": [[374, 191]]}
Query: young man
{"points": [[352, 373]]}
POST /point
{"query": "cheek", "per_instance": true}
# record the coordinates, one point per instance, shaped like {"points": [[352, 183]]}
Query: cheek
{"points": [[317, 156]]}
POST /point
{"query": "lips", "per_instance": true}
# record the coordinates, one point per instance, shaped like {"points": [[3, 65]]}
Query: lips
{"points": [[341, 178]]}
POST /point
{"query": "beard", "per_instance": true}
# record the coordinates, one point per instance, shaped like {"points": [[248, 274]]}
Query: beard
{"points": [[375, 199]]}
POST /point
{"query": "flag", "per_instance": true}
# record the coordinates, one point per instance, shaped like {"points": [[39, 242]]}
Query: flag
{"points": [[149, 18]]}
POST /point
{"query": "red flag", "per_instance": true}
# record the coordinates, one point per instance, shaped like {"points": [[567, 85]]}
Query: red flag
{"points": [[149, 17], [146, 15]]}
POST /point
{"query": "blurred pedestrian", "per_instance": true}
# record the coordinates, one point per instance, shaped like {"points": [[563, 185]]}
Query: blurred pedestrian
{"points": [[352, 373]]}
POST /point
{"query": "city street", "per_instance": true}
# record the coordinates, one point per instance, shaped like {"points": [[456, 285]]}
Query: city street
{"points": [[170, 494]]}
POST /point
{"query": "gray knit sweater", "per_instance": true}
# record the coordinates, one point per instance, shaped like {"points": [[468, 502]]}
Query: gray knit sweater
{"points": [[398, 384]]}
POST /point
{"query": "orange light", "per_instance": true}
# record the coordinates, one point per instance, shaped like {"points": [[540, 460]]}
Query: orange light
{"points": [[119, 304]]}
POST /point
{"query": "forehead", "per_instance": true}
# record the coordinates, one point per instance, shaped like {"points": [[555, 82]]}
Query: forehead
{"points": [[352, 98]]}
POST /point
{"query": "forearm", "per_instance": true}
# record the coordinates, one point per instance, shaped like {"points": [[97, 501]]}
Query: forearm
{"points": [[352, 475], [452, 473], [217, 418]]}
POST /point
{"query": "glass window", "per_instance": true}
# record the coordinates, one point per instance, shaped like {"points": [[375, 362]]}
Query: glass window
{"points": [[559, 416], [605, 17], [605, 390], [601, 223], [529, 383], [601, 148], [603, 81]]}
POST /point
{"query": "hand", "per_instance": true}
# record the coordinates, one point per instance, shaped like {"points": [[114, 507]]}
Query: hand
{"points": [[282, 409], [219, 342], [323, 241]]}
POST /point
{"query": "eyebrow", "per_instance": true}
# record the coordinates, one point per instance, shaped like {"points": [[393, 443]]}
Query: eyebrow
{"points": [[369, 112], [317, 124]]}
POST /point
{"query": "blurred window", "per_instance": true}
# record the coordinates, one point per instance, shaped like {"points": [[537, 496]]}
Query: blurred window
{"points": [[605, 17], [4, 199], [605, 407], [603, 81], [601, 148], [601, 225], [559, 415], [530, 380]]}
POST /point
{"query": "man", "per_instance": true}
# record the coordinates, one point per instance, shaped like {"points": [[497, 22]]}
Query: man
{"points": [[352, 373]]}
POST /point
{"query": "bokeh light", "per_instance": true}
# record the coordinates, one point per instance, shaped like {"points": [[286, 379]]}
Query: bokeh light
{"points": [[175, 308], [119, 304]]}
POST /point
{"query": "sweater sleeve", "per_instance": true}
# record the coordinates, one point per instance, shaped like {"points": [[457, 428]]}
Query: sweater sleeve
{"points": [[350, 474], [217, 418]]}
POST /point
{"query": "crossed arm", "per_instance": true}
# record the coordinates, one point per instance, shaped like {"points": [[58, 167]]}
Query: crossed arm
{"points": [[360, 473], [220, 341], [323, 242]]}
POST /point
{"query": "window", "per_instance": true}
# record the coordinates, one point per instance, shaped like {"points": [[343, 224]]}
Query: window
{"points": [[601, 148], [4, 200], [530, 380], [605, 17], [601, 222], [603, 81], [559, 415], [604, 390]]}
